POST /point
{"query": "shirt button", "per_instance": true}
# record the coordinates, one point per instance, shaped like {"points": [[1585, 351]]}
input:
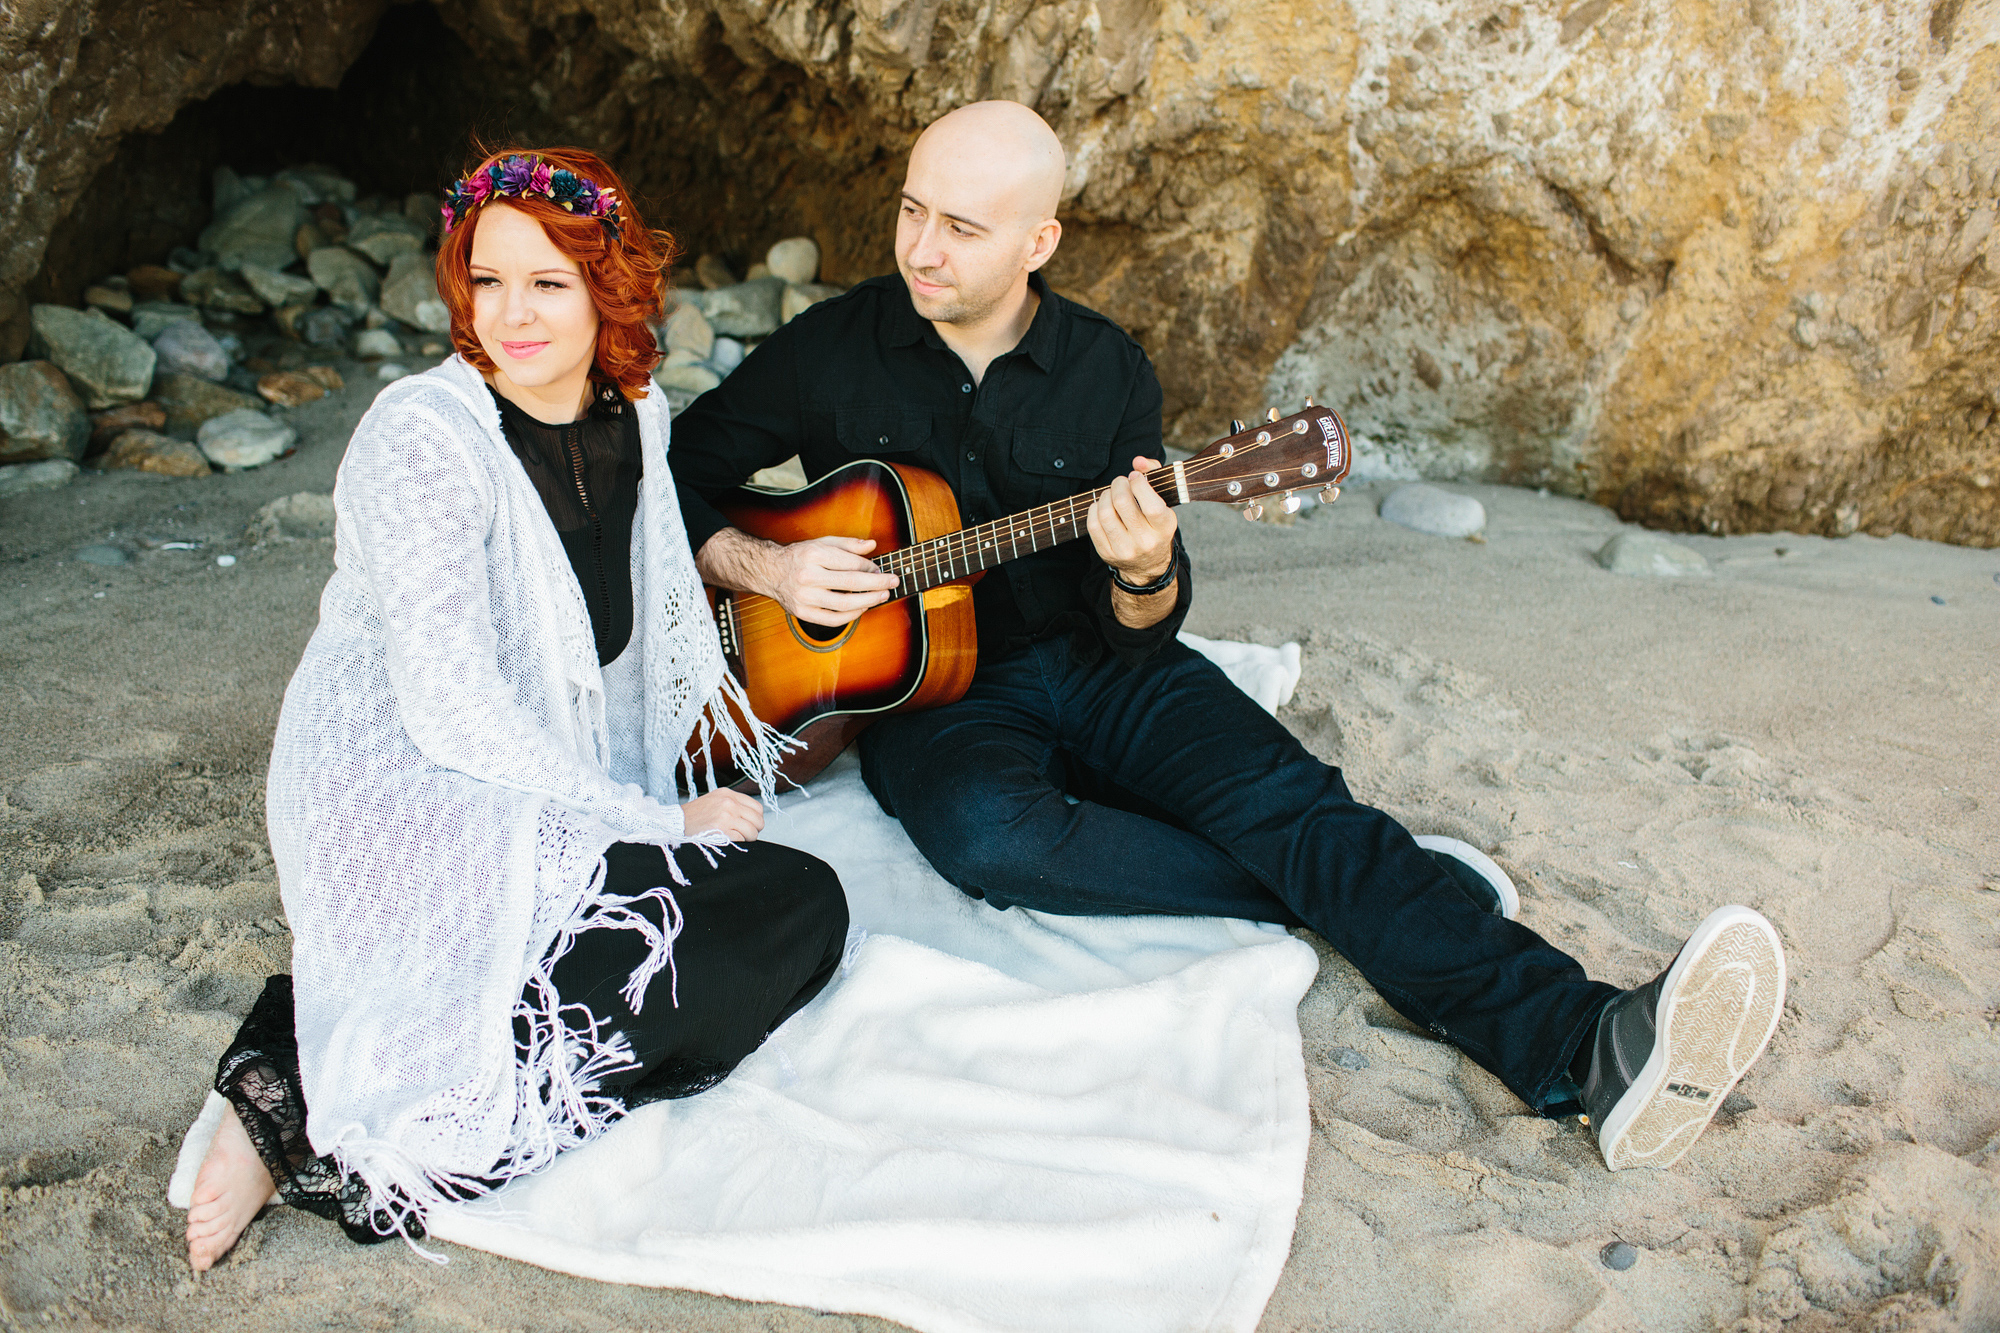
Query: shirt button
{"points": [[965, 388], [883, 440], [971, 457], [1059, 462]]}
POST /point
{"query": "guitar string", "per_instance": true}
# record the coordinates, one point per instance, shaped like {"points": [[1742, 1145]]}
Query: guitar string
{"points": [[941, 556]]}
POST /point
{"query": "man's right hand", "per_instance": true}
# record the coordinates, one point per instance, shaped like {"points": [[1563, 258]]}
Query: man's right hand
{"points": [[825, 581]]}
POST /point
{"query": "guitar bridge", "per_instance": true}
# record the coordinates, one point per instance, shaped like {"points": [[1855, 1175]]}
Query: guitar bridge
{"points": [[725, 625]]}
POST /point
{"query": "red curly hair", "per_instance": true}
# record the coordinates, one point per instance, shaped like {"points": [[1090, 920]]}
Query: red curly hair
{"points": [[624, 273]]}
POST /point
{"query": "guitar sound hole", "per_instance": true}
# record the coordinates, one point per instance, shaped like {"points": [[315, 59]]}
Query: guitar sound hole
{"points": [[821, 633]]}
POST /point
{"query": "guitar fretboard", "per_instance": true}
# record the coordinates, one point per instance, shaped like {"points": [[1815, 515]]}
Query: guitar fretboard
{"points": [[966, 552]]}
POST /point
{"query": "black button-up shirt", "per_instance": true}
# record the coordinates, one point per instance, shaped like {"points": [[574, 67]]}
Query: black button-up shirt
{"points": [[865, 376]]}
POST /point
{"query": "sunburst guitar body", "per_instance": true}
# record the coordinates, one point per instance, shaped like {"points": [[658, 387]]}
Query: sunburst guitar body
{"points": [[824, 684]]}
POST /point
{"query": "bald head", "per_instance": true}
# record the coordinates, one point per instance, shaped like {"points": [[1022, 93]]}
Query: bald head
{"points": [[979, 214]]}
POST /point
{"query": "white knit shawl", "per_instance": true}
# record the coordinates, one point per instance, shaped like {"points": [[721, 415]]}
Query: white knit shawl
{"points": [[440, 793]]}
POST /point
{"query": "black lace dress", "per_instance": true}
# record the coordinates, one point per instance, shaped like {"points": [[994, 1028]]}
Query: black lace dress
{"points": [[762, 930]]}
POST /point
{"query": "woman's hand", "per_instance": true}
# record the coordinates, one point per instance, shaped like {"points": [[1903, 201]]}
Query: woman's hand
{"points": [[730, 812]]}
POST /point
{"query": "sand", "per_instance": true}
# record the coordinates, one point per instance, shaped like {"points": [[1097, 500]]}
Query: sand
{"points": [[1810, 730]]}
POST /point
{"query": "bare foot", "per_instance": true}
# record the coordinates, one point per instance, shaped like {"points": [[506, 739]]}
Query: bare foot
{"points": [[233, 1187]]}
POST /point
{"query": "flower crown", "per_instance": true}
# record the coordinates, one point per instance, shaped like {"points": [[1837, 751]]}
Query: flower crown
{"points": [[519, 176]]}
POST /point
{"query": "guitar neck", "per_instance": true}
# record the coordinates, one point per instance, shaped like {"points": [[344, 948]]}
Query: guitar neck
{"points": [[968, 551]]}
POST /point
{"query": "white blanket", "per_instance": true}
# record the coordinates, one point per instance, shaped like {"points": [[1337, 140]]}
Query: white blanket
{"points": [[995, 1122]]}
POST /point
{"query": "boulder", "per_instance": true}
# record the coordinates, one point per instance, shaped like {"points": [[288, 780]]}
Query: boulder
{"points": [[688, 329], [151, 318], [315, 184], [105, 361], [726, 355], [801, 297], [410, 293], [301, 517], [188, 401], [691, 378], [348, 280], [109, 424], [256, 230], [246, 439], [746, 310], [795, 259], [47, 475], [213, 289], [148, 451], [383, 236], [713, 271], [151, 282], [189, 349], [324, 326], [1440, 513], [115, 300], [275, 288], [40, 415], [372, 343], [1651, 555], [326, 377], [290, 388]]}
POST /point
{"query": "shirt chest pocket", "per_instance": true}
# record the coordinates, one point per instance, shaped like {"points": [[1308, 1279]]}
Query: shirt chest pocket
{"points": [[869, 432], [1057, 463]]}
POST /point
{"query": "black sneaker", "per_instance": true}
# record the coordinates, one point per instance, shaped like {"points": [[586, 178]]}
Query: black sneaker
{"points": [[1667, 1053], [1474, 873]]}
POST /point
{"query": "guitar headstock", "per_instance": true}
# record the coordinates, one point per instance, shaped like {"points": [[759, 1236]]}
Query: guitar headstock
{"points": [[1307, 451]]}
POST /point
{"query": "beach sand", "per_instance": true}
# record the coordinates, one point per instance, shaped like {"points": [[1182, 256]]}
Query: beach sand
{"points": [[1810, 730]]}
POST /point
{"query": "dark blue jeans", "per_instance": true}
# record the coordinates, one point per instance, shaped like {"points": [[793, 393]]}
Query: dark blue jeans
{"points": [[1197, 802]]}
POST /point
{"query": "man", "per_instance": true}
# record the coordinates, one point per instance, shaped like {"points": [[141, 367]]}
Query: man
{"points": [[1096, 765]]}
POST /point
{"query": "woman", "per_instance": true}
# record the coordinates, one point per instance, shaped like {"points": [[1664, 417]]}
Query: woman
{"points": [[474, 772]]}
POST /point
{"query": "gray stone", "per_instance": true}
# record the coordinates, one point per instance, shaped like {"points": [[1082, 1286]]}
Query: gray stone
{"points": [[276, 289], [189, 401], [1618, 1256], [693, 378], [371, 343], [423, 207], [801, 297], [726, 355], [687, 329], [348, 280], [150, 318], [1438, 512], [746, 310], [317, 184], [390, 371], [383, 236], [410, 293], [1649, 554], [795, 259], [299, 517], [232, 189], [229, 292], [105, 361], [243, 439], [108, 556], [325, 326], [1348, 1058], [40, 415], [47, 475], [190, 349], [258, 230]]}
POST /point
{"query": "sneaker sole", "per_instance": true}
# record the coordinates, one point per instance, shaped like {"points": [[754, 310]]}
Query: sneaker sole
{"points": [[1719, 1006], [1510, 898]]}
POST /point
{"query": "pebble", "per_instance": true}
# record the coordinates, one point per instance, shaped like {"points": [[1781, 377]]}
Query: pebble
{"points": [[1936, 600], [244, 439], [105, 361], [40, 415], [1440, 513], [189, 349], [348, 280], [109, 424], [117, 300], [151, 282], [149, 451], [109, 556], [688, 329], [410, 293], [795, 259], [803, 296], [225, 560], [189, 400], [275, 289], [47, 475], [303, 516], [726, 355], [383, 236], [372, 343], [256, 230], [214, 289], [326, 377], [324, 326], [389, 371], [290, 388], [694, 378], [1618, 1256], [713, 272], [1649, 554], [746, 310], [151, 318], [1349, 1058]]}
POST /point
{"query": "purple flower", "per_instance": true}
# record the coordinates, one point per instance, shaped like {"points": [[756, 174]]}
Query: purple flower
{"points": [[586, 198], [517, 174], [538, 181]]}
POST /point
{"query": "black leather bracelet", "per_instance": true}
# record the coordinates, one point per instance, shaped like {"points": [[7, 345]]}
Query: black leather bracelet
{"points": [[1160, 584]]}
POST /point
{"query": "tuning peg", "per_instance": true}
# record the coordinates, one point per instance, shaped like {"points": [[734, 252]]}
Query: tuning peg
{"points": [[1273, 416], [1253, 511], [1309, 400], [1235, 426], [1329, 493], [1290, 504]]}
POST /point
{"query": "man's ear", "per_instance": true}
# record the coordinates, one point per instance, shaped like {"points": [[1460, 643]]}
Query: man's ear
{"points": [[1047, 237]]}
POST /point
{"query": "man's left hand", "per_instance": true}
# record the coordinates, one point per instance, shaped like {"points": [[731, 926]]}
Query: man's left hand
{"points": [[1132, 527]]}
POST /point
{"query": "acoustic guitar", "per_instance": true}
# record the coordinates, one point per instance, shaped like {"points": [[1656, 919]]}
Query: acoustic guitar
{"points": [[825, 683]]}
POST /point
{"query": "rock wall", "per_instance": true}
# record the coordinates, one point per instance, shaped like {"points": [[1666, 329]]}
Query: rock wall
{"points": [[1721, 267]]}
